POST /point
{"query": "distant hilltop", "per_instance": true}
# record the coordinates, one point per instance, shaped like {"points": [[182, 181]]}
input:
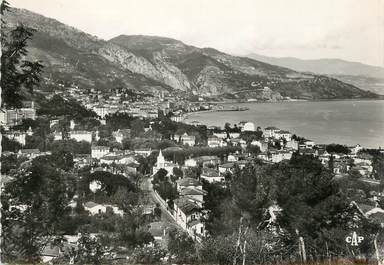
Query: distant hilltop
{"points": [[150, 63], [367, 77]]}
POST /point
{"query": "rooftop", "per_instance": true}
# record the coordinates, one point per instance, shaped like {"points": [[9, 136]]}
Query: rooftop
{"points": [[192, 191], [90, 204], [192, 223], [29, 151], [272, 128], [188, 182], [210, 173], [186, 205], [227, 165], [99, 147], [80, 132]]}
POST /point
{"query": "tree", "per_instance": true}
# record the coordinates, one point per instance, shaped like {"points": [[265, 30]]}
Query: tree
{"points": [[34, 206], [88, 124], [25, 125], [157, 211], [217, 250], [137, 127], [105, 132], [110, 183], [313, 208], [377, 158], [181, 247], [17, 73], [177, 173], [166, 190], [148, 254], [132, 229], [125, 199], [159, 176], [89, 250], [59, 106], [216, 196], [11, 162], [331, 163], [378, 167], [253, 149], [119, 121], [64, 159], [193, 172], [251, 136], [253, 191], [337, 148], [34, 142], [227, 128], [10, 145], [41, 130], [144, 167]]}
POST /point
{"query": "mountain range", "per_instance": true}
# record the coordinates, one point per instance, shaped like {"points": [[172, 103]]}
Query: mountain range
{"points": [[366, 77], [153, 64]]}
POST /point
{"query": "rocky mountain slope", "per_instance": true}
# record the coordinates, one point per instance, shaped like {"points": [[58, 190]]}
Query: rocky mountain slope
{"points": [[366, 77], [151, 64]]}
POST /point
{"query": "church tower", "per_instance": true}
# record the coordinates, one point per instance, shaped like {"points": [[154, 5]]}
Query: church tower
{"points": [[160, 160]]}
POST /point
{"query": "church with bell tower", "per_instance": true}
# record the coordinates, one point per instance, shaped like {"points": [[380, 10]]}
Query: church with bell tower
{"points": [[164, 164]]}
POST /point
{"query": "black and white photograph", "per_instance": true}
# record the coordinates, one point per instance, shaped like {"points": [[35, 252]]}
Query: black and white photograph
{"points": [[192, 132]]}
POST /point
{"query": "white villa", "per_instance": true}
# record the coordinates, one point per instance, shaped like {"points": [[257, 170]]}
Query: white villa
{"points": [[271, 131], [16, 136], [248, 127], [211, 175], [81, 136], [281, 134], [188, 139], [187, 215], [99, 151], [94, 208]]}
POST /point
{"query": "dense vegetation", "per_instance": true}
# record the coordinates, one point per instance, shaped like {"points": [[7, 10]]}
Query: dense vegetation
{"points": [[312, 206], [18, 75], [58, 106]]}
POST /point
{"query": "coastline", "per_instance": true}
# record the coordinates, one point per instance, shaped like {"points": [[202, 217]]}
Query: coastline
{"points": [[335, 121], [188, 114], [290, 101], [195, 112]]}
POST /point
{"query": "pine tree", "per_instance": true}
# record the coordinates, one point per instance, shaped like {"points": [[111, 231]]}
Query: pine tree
{"points": [[17, 73]]}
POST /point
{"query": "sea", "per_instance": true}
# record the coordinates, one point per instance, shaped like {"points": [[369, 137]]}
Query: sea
{"points": [[343, 122]]}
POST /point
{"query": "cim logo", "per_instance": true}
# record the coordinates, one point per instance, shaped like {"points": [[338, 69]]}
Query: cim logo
{"points": [[354, 240]]}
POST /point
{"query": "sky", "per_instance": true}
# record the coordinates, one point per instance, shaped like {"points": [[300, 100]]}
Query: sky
{"points": [[309, 29]]}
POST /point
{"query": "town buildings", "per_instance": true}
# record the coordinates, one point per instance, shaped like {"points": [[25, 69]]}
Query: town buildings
{"points": [[81, 136], [189, 140], [17, 136], [211, 175], [12, 117], [188, 215], [98, 152]]}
